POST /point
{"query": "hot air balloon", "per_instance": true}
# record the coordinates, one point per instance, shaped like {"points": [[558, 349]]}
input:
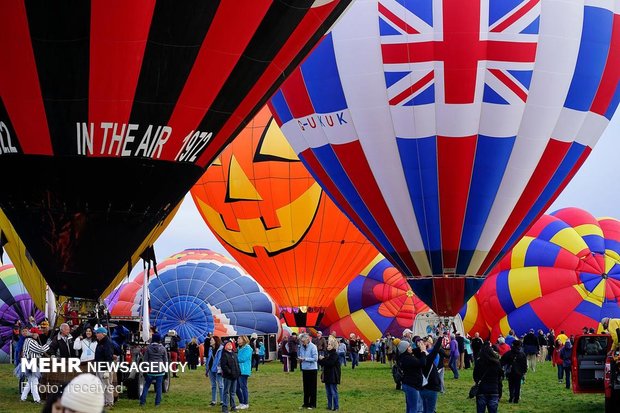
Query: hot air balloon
{"points": [[564, 274], [378, 301], [199, 291], [473, 321], [444, 129], [15, 305], [111, 110], [276, 221]]}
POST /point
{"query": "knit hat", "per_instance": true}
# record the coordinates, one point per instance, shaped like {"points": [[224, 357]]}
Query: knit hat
{"points": [[156, 338], [101, 330], [83, 394], [403, 346]]}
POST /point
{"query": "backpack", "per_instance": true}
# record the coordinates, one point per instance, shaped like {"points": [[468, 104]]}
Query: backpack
{"points": [[514, 367], [397, 373]]}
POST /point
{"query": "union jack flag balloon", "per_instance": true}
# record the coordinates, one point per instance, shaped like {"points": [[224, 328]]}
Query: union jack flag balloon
{"points": [[443, 129]]}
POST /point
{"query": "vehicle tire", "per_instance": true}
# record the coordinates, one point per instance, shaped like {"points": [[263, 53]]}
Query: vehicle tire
{"points": [[165, 386]]}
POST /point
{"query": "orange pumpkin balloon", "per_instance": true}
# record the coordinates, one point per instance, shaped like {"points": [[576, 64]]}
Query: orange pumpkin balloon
{"points": [[278, 223]]}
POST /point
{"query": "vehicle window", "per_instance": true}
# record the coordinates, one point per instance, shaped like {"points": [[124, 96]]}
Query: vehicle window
{"points": [[593, 346]]}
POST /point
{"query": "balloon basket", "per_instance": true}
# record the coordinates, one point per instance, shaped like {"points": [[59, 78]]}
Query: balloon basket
{"points": [[298, 318]]}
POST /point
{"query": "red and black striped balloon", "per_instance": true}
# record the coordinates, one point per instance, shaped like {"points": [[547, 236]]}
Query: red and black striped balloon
{"points": [[111, 110]]}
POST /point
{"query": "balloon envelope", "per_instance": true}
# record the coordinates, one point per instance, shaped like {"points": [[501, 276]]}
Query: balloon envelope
{"points": [[564, 274], [276, 221], [444, 129], [15, 305], [110, 111], [198, 292], [378, 301]]}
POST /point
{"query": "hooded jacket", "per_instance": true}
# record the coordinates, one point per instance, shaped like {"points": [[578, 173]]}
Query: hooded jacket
{"points": [[156, 353]]}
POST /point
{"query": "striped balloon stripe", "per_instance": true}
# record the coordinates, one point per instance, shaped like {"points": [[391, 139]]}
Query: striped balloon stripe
{"points": [[102, 62]]}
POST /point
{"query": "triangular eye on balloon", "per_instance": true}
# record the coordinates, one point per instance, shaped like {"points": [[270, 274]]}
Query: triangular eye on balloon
{"points": [[240, 187], [273, 146]]}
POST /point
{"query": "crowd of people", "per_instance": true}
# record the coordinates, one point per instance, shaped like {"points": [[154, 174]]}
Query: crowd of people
{"points": [[85, 342], [418, 364]]}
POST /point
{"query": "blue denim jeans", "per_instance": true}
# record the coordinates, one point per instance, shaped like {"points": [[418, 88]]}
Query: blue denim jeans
{"points": [[332, 396], [230, 387], [148, 379], [342, 357], [217, 386], [567, 374], [452, 365], [411, 398], [242, 389], [487, 401], [355, 359], [560, 372], [429, 400]]}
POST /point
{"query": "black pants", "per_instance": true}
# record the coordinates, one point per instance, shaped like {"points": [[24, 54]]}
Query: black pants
{"points": [[309, 380], [293, 358], [255, 360], [514, 387]]}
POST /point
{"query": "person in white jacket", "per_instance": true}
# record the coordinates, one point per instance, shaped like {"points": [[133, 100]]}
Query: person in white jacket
{"points": [[87, 344]]}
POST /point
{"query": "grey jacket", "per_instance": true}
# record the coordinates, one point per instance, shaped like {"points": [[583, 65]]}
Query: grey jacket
{"points": [[155, 353]]}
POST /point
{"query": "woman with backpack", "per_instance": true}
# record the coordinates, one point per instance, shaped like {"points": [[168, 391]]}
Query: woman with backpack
{"points": [[488, 375], [432, 382], [515, 367], [411, 362]]}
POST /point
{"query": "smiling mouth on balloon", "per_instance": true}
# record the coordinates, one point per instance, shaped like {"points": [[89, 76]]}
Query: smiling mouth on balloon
{"points": [[295, 219]]}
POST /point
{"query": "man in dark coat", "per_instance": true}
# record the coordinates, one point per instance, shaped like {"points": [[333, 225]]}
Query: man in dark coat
{"points": [[104, 352], [62, 343], [293, 345], [476, 346], [515, 366]]}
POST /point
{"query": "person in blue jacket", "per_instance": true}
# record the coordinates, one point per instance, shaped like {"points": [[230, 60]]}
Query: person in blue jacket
{"points": [[213, 369], [244, 356], [308, 356]]}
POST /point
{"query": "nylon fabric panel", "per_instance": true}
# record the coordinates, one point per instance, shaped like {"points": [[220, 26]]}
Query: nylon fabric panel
{"points": [[21, 93], [60, 36], [253, 63], [159, 86], [318, 21], [547, 165], [593, 51], [206, 79], [492, 155], [455, 160], [116, 57], [419, 161], [326, 165]]}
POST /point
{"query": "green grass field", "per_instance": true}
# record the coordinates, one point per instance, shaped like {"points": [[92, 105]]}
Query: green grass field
{"points": [[368, 388]]}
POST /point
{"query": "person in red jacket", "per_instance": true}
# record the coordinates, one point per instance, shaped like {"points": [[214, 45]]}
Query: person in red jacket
{"points": [[502, 347]]}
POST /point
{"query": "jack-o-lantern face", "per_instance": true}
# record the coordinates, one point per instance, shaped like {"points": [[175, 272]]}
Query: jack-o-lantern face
{"points": [[257, 193], [274, 219]]}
